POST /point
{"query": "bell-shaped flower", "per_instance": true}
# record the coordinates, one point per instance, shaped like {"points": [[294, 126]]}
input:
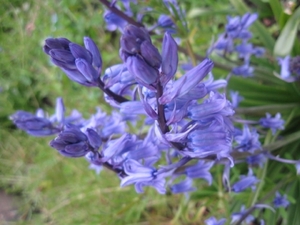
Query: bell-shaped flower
{"points": [[60, 110], [214, 140], [93, 49], [142, 72], [280, 201], [245, 182], [82, 65], [214, 221], [183, 187], [33, 125], [200, 170], [169, 59], [71, 143], [274, 124], [187, 82], [248, 141], [150, 54], [215, 105], [142, 176], [94, 138]]}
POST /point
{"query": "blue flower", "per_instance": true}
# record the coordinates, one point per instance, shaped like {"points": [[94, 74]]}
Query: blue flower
{"points": [[245, 182], [214, 221], [238, 215], [182, 187], [280, 201], [142, 176], [274, 124], [248, 141], [200, 170], [235, 98], [71, 143], [80, 64], [34, 125]]}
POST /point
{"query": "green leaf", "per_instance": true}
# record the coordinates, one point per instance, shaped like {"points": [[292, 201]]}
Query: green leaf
{"points": [[294, 209], [285, 42], [276, 8], [258, 28]]}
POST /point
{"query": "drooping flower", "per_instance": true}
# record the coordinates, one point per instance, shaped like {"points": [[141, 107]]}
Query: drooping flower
{"points": [[238, 215], [214, 221], [274, 124], [72, 143], [280, 201], [82, 65], [248, 141], [245, 182]]}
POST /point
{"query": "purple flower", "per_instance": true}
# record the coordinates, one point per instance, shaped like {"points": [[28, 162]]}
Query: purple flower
{"points": [[211, 140], [214, 221], [238, 215], [141, 57], [290, 68], [237, 26], [71, 143], [200, 170], [274, 124], [244, 70], [285, 73], [142, 176], [215, 106], [33, 125], [245, 182], [280, 201], [113, 21], [169, 58], [80, 64], [183, 186], [235, 98], [187, 82], [255, 160], [248, 141]]}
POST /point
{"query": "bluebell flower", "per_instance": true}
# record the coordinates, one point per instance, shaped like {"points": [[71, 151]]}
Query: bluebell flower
{"points": [[34, 125], [248, 141], [280, 201], [274, 124], [238, 215], [298, 168], [141, 57], [290, 68], [295, 66], [113, 21], [215, 106], [80, 64], [142, 176], [72, 143], [237, 26], [187, 82], [235, 98], [182, 187], [244, 70], [209, 140], [200, 170], [254, 160], [285, 73], [169, 59], [214, 221], [245, 182], [166, 22]]}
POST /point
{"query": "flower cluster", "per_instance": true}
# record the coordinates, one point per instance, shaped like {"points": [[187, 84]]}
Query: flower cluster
{"points": [[186, 119], [235, 39]]}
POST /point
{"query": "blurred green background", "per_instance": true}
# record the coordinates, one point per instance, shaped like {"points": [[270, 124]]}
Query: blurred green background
{"points": [[57, 190]]}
